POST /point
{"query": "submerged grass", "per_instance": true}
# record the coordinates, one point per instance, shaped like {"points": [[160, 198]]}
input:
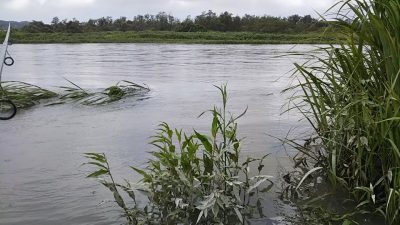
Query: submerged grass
{"points": [[113, 93], [25, 95], [352, 99]]}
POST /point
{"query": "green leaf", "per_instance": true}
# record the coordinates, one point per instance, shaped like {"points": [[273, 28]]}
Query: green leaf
{"points": [[214, 126], [205, 142], [306, 175], [119, 200], [347, 222], [260, 167], [260, 181], [199, 217], [98, 173], [129, 191], [239, 214], [208, 164], [141, 172], [96, 156], [260, 208], [268, 188], [96, 164]]}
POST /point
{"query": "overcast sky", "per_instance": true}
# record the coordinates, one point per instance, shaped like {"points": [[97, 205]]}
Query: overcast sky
{"points": [[84, 9]]}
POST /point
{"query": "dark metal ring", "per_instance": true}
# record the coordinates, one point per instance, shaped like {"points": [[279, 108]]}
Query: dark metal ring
{"points": [[8, 63]]}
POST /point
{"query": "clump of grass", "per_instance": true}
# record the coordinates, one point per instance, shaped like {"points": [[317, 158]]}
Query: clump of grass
{"points": [[115, 92], [352, 99], [192, 178], [75, 92], [111, 94], [25, 95]]}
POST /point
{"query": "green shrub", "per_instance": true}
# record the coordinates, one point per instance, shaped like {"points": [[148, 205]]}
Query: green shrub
{"points": [[192, 179]]}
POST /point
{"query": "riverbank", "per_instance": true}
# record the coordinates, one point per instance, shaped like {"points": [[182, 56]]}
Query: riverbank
{"points": [[172, 37]]}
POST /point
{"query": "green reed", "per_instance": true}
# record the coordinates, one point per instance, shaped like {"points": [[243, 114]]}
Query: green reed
{"points": [[25, 95], [111, 94], [352, 99], [192, 178]]}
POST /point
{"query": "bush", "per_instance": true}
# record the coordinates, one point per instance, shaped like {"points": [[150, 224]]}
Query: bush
{"points": [[192, 179]]}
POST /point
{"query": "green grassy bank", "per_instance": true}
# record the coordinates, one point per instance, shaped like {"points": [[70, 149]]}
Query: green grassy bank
{"points": [[171, 37]]}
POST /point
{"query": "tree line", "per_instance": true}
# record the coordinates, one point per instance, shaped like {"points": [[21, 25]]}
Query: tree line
{"points": [[207, 21]]}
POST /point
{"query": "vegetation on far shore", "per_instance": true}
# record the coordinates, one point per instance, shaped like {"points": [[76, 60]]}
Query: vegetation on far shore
{"points": [[207, 28], [173, 37], [207, 21]]}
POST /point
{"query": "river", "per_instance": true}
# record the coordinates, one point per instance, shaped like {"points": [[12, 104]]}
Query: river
{"points": [[41, 177]]}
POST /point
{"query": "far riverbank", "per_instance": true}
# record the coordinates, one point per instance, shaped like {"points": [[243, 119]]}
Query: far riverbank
{"points": [[173, 37]]}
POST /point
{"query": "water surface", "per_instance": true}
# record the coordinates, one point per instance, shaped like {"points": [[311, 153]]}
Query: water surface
{"points": [[41, 180]]}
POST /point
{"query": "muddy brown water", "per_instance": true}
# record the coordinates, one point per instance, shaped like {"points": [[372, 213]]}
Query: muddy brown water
{"points": [[41, 180]]}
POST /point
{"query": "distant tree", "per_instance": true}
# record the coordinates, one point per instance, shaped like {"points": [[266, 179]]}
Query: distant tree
{"points": [[105, 23], [294, 18], [225, 21], [37, 27], [73, 26], [306, 19], [139, 23], [236, 23], [248, 22], [121, 24], [55, 21], [90, 25], [162, 21], [188, 25], [206, 21], [209, 20]]}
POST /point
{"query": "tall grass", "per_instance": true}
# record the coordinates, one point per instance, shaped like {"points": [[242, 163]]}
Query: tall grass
{"points": [[352, 99]]}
